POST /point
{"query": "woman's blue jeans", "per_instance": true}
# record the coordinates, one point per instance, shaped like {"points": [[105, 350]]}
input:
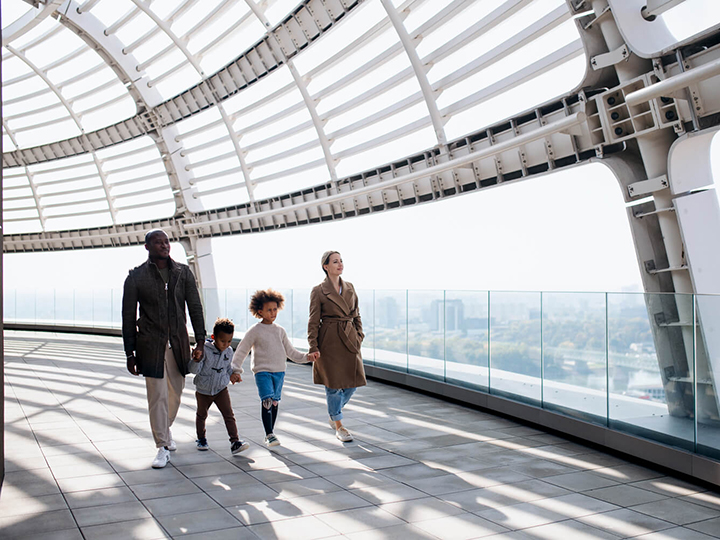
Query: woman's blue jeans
{"points": [[336, 400]]}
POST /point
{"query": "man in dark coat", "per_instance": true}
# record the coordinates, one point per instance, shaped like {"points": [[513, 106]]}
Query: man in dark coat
{"points": [[157, 344]]}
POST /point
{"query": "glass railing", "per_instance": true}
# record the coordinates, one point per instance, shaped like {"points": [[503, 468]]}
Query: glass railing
{"points": [[645, 364]]}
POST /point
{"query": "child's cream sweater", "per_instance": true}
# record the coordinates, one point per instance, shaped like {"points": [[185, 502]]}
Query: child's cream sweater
{"points": [[270, 346]]}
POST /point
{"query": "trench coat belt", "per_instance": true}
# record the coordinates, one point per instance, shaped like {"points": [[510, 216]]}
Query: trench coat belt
{"points": [[345, 330]]}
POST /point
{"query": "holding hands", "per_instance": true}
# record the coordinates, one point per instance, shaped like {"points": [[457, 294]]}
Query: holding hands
{"points": [[235, 377], [313, 356]]}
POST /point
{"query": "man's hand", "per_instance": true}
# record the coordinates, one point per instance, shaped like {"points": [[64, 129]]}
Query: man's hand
{"points": [[132, 365], [235, 377], [198, 353]]}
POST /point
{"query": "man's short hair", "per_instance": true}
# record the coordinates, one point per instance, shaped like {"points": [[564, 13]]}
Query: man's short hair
{"points": [[224, 326], [150, 234]]}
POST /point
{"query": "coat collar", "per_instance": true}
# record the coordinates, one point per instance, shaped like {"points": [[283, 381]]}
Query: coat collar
{"points": [[343, 301]]}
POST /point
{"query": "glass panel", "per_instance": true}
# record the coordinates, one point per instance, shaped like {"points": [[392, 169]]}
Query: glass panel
{"points": [[45, 306], [65, 307], [515, 344], [284, 317], [25, 305], [215, 306], [574, 356], [367, 314], [300, 312], [236, 309], [9, 302], [425, 331], [707, 346], [391, 329], [650, 342], [466, 338], [83, 300], [102, 307], [116, 319]]}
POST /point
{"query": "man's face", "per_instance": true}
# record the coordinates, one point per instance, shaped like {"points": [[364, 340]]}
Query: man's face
{"points": [[158, 246]]}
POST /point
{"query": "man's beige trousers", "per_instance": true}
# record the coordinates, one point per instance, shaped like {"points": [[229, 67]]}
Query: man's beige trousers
{"points": [[163, 397]]}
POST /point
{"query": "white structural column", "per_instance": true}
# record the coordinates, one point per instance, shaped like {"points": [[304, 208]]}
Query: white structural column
{"points": [[302, 87], [76, 119], [428, 93]]}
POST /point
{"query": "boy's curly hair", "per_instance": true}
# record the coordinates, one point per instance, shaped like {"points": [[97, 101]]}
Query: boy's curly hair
{"points": [[223, 325], [260, 298]]}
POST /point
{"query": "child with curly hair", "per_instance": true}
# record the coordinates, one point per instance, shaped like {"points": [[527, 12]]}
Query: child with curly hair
{"points": [[212, 375], [271, 348]]}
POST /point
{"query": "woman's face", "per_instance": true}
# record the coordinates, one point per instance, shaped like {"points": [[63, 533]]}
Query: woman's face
{"points": [[334, 267]]}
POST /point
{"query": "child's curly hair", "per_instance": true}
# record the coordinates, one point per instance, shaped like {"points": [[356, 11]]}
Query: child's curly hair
{"points": [[223, 325], [260, 298]]}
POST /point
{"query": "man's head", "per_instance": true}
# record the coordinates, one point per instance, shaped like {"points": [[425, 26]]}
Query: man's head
{"points": [[158, 244]]}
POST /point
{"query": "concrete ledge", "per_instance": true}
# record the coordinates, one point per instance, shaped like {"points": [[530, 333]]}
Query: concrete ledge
{"points": [[655, 453]]}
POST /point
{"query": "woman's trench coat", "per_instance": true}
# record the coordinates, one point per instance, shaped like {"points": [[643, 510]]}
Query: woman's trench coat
{"points": [[335, 329]]}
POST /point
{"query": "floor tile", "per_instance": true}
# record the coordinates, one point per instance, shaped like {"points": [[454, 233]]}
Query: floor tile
{"points": [[143, 529], [205, 521], [302, 528], [179, 504], [626, 523], [99, 515], [460, 527], [678, 533], [422, 509], [677, 511]]}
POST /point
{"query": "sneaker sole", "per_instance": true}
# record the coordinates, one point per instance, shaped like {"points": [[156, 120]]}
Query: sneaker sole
{"points": [[204, 449], [158, 466], [243, 447], [274, 443]]}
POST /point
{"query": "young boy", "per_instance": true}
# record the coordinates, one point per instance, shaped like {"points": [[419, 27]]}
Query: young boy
{"points": [[271, 347], [211, 380]]}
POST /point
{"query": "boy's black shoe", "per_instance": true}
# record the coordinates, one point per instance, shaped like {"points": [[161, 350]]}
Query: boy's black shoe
{"points": [[202, 444], [239, 446]]}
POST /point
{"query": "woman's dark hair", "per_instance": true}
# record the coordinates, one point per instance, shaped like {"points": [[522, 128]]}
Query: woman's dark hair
{"points": [[224, 326], [260, 298]]}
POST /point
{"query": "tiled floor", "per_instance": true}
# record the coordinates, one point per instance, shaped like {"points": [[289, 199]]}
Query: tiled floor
{"points": [[78, 454]]}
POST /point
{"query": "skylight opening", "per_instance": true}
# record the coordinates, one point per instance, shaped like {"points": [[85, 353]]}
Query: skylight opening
{"points": [[267, 131], [46, 27], [277, 88], [18, 215], [428, 11], [25, 203], [305, 136], [222, 179], [61, 164], [387, 152], [128, 173], [33, 102], [77, 184], [369, 107], [149, 212], [64, 175], [76, 208], [12, 68], [293, 182], [58, 131], [277, 10], [200, 125], [12, 10], [210, 151], [288, 163], [122, 107], [14, 177], [378, 50], [149, 194], [230, 197], [256, 121], [691, 17], [521, 97], [370, 80], [219, 48], [146, 182], [381, 127], [212, 135], [69, 199], [111, 11], [23, 87], [134, 31], [175, 81], [129, 149], [20, 194], [351, 27], [222, 166]]}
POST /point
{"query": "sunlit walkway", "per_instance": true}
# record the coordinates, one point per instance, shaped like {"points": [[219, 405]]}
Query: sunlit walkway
{"points": [[78, 453]]}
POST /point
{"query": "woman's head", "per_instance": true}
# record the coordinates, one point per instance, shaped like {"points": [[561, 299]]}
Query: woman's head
{"points": [[332, 263]]}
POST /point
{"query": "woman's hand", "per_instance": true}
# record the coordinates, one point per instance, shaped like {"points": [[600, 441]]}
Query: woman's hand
{"points": [[235, 377]]}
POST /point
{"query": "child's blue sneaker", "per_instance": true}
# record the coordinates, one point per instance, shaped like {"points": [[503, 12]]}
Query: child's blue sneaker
{"points": [[202, 444]]}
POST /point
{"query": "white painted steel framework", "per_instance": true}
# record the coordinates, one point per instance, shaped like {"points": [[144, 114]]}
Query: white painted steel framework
{"points": [[124, 115]]}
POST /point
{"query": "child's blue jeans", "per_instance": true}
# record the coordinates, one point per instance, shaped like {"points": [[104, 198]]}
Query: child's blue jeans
{"points": [[336, 400], [269, 384]]}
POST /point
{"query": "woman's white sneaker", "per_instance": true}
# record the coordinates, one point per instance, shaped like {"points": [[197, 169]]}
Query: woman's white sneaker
{"points": [[343, 434], [161, 459]]}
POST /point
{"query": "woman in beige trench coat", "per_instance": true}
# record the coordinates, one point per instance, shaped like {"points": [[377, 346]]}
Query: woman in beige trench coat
{"points": [[335, 330]]}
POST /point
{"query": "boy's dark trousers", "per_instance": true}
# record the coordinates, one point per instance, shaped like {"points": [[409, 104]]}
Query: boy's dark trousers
{"points": [[222, 402]]}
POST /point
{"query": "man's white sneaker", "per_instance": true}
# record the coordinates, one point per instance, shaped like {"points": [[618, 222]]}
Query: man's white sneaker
{"points": [[172, 446], [161, 459], [343, 434]]}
